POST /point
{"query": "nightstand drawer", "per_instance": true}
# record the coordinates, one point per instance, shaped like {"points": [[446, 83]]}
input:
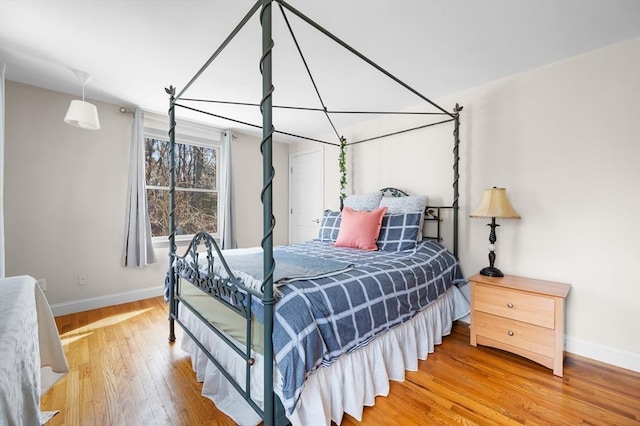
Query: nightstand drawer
{"points": [[539, 340], [517, 305]]}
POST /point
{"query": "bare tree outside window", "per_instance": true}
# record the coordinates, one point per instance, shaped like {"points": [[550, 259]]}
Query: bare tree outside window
{"points": [[196, 187]]}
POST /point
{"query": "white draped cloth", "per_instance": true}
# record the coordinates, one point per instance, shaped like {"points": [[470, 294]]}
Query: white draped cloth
{"points": [[30, 350]]}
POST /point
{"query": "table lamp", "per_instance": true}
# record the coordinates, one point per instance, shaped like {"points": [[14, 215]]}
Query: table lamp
{"points": [[494, 205]]}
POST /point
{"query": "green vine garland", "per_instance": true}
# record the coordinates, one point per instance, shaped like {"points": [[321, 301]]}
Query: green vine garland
{"points": [[342, 163]]}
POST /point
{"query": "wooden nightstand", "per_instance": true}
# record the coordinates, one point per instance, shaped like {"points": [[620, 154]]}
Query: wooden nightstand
{"points": [[520, 315]]}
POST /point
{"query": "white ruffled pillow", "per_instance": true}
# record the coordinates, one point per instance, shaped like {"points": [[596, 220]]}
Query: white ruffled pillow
{"points": [[359, 202]]}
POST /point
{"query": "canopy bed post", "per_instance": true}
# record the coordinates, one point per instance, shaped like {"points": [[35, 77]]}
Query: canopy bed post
{"points": [[342, 164], [456, 174], [266, 106], [172, 210]]}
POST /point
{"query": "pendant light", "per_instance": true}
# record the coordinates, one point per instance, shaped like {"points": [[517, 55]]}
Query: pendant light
{"points": [[82, 114]]}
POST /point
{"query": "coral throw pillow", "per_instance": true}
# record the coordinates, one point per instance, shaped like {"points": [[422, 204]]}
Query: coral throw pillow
{"points": [[360, 229]]}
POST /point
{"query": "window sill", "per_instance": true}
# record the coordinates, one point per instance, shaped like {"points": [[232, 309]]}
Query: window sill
{"points": [[181, 241]]}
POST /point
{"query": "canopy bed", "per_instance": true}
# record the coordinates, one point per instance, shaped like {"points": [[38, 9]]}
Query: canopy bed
{"points": [[318, 317]]}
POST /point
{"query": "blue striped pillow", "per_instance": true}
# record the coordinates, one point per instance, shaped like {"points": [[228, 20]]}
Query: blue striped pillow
{"points": [[399, 231], [329, 226], [408, 204]]}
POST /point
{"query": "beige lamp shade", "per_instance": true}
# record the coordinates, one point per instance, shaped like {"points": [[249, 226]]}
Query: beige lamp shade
{"points": [[494, 203], [82, 114]]}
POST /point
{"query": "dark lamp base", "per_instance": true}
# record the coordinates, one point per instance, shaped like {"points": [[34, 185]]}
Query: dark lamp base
{"points": [[490, 271]]}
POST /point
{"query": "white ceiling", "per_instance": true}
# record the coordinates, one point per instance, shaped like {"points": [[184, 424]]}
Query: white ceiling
{"points": [[134, 49]]}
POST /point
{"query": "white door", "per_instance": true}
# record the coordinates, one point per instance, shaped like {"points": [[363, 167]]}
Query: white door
{"points": [[306, 183]]}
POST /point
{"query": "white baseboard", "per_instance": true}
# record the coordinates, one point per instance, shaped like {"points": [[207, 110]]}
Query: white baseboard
{"points": [[100, 302], [607, 354]]}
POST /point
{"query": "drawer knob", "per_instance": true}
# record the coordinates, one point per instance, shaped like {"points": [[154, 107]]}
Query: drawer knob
{"points": [[510, 333], [509, 305]]}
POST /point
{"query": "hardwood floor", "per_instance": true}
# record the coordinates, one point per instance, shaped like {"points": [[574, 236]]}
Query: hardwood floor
{"points": [[124, 372]]}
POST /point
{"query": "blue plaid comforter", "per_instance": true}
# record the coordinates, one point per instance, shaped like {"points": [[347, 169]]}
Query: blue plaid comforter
{"points": [[317, 320]]}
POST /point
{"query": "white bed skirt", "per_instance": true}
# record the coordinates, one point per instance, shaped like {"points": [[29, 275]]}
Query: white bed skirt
{"points": [[347, 386]]}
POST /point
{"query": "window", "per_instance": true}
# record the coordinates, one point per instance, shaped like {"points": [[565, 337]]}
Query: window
{"points": [[197, 180]]}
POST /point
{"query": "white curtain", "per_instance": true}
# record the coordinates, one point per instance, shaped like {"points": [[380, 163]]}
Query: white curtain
{"points": [[3, 67], [228, 231], [138, 247]]}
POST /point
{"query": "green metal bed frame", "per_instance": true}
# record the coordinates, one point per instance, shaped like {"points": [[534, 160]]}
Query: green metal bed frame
{"points": [[231, 291]]}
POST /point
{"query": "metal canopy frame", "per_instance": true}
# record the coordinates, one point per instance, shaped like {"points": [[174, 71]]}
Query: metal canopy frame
{"points": [[266, 106]]}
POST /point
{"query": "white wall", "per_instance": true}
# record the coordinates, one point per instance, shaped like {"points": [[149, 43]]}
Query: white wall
{"points": [[565, 142], [65, 194], [247, 167]]}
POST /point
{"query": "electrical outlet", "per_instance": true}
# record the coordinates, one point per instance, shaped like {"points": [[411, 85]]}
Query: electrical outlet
{"points": [[42, 283], [83, 279]]}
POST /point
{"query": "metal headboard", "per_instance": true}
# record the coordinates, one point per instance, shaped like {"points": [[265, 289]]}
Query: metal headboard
{"points": [[431, 213]]}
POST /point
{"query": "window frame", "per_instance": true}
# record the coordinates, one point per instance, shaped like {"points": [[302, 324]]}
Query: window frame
{"points": [[199, 138]]}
